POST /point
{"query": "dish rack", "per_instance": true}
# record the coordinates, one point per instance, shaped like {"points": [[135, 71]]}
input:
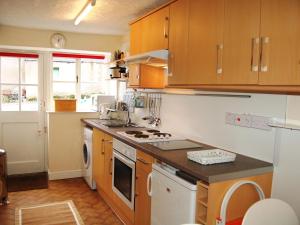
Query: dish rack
{"points": [[211, 156]]}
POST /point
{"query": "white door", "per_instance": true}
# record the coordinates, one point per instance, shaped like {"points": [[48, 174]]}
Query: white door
{"points": [[22, 112]]}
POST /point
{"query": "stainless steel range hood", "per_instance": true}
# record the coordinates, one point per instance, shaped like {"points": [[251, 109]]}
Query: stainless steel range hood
{"points": [[158, 58]]}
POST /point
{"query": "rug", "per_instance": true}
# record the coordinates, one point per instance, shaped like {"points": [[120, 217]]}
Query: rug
{"points": [[25, 182], [56, 213]]}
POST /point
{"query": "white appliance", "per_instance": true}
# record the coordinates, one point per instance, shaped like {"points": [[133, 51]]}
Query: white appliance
{"points": [[87, 157], [173, 200], [148, 136], [123, 182]]}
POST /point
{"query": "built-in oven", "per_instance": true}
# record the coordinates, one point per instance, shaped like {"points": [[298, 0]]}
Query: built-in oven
{"points": [[123, 182]]}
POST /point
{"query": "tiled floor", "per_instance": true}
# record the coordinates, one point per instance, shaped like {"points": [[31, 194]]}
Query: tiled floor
{"points": [[91, 207]]}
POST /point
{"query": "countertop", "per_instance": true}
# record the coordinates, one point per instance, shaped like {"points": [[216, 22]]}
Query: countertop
{"points": [[243, 166]]}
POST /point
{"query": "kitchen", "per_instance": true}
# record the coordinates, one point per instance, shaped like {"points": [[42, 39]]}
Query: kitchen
{"points": [[219, 73]]}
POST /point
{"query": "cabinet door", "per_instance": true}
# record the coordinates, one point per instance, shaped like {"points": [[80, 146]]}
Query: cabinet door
{"points": [[205, 41], [136, 37], [108, 165], [280, 32], [155, 28], [142, 199], [240, 54], [98, 157], [152, 77], [178, 42], [134, 75]]}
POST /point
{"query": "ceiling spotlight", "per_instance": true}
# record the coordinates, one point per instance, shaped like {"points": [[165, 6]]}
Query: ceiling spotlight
{"points": [[86, 9]]}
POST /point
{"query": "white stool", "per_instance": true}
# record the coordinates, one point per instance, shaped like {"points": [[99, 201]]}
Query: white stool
{"points": [[270, 211]]}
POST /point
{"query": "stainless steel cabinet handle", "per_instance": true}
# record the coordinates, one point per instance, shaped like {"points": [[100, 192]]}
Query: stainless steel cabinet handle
{"points": [[264, 59], [166, 27], [110, 167], [149, 189], [143, 161], [102, 147], [219, 59], [170, 63], [255, 55]]}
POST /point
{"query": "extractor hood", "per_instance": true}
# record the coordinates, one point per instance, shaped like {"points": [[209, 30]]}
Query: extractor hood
{"points": [[158, 58]]}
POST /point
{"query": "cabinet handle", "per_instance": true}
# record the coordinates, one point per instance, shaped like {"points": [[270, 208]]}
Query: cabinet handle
{"points": [[170, 63], [102, 147], [108, 141], [149, 189], [143, 161], [264, 60], [110, 167], [255, 55], [220, 59], [166, 27]]}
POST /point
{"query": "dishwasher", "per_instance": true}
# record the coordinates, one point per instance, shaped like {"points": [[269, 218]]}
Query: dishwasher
{"points": [[173, 199]]}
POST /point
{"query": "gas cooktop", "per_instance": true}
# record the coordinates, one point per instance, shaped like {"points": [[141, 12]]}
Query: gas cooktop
{"points": [[149, 135]]}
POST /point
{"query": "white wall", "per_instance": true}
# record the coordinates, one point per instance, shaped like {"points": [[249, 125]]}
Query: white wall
{"points": [[202, 118], [65, 144]]}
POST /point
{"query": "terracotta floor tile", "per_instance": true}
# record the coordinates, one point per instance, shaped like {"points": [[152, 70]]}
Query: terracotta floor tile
{"points": [[90, 205]]}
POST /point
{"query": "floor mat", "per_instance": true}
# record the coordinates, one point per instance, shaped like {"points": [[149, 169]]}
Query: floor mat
{"points": [[24, 182], [56, 213]]}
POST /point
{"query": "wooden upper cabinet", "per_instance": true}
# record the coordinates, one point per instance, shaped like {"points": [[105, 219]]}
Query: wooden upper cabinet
{"points": [[280, 36], [136, 37], [134, 75], [178, 42], [150, 33], [241, 52], [146, 76], [205, 41]]}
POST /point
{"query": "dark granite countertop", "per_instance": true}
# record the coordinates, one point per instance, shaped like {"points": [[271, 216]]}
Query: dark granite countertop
{"points": [[243, 166]]}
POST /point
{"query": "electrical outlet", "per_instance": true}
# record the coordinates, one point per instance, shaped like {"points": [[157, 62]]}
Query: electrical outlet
{"points": [[242, 120], [260, 122], [230, 118]]}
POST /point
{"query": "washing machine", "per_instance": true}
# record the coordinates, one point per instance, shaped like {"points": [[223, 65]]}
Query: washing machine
{"points": [[87, 157]]}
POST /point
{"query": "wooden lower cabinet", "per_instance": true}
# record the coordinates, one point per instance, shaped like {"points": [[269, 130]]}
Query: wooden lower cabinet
{"points": [[210, 197], [108, 149], [142, 199], [98, 158]]}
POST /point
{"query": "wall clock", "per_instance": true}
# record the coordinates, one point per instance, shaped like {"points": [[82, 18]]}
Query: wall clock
{"points": [[58, 40]]}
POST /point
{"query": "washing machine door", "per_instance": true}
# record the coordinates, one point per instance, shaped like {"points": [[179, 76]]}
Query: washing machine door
{"points": [[86, 155]]}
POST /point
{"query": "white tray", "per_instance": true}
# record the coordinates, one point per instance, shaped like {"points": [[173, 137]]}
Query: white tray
{"points": [[211, 156]]}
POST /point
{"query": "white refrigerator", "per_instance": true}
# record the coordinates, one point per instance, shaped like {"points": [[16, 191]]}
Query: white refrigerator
{"points": [[173, 200]]}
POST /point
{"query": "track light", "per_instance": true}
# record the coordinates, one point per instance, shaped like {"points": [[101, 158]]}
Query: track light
{"points": [[86, 9]]}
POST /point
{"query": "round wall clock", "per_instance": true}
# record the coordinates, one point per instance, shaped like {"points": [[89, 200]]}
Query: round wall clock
{"points": [[58, 40]]}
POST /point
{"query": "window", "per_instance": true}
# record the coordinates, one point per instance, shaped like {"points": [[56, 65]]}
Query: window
{"points": [[18, 82], [82, 79]]}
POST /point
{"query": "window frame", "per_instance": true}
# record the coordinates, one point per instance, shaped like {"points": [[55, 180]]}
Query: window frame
{"points": [[21, 70], [77, 82]]}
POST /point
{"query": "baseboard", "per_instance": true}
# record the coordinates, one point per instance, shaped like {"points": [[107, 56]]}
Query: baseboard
{"points": [[59, 175]]}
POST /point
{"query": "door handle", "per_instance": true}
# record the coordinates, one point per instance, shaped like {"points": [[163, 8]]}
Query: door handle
{"points": [[149, 189], [220, 59], [264, 60], [255, 55]]}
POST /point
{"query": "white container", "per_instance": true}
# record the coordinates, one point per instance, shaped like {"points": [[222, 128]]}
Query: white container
{"points": [[211, 156]]}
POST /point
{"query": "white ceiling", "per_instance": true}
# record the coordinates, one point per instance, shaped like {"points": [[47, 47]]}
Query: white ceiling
{"points": [[107, 17]]}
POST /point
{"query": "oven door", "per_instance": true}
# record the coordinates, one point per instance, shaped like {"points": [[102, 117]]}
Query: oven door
{"points": [[123, 178]]}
